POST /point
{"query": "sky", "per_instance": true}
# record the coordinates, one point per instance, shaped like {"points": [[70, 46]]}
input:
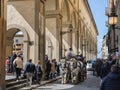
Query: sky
{"points": [[98, 11]]}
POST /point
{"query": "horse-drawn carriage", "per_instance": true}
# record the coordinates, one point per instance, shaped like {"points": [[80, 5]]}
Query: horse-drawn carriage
{"points": [[73, 70]]}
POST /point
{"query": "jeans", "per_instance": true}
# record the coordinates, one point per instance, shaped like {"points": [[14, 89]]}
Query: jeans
{"points": [[29, 78], [18, 73]]}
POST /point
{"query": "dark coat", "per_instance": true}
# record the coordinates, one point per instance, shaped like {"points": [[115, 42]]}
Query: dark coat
{"points": [[111, 82], [105, 69], [48, 66], [29, 68], [39, 72], [12, 58]]}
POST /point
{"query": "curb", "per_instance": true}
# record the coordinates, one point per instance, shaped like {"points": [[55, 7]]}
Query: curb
{"points": [[42, 83]]}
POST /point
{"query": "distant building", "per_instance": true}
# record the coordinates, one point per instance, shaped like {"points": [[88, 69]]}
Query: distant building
{"points": [[18, 43], [104, 47]]}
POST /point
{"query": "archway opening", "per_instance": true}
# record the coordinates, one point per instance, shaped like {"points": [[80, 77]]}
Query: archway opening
{"points": [[49, 48], [15, 45]]}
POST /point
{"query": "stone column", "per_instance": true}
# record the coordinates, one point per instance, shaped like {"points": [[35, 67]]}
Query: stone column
{"points": [[40, 29], [42, 36], [2, 43], [54, 25], [9, 46], [78, 37], [59, 28]]}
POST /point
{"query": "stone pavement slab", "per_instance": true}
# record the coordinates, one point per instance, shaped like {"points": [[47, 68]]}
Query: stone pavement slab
{"points": [[41, 83]]}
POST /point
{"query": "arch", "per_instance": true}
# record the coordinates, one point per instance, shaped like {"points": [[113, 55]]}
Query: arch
{"points": [[11, 31], [49, 47], [20, 28], [65, 10]]}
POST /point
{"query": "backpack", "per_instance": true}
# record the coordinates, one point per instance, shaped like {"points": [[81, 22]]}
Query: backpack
{"points": [[39, 70]]}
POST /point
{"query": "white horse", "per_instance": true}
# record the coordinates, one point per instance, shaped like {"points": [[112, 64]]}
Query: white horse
{"points": [[76, 69], [64, 71], [82, 71]]}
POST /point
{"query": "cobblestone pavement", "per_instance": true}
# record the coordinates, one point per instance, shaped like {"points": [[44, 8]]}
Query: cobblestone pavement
{"points": [[91, 83]]}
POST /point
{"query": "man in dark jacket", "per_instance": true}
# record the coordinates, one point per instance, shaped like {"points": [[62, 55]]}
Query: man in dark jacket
{"points": [[29, 71], [12, 58], [48, 69], [105, 69], [112, 80]]}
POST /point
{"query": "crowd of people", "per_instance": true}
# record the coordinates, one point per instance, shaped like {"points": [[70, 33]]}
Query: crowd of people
{"points": [[109, 72], [102, 67], [52, 69], [14, 64]]}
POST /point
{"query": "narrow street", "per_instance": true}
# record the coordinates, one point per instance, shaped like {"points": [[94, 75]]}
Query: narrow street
{"points": [[91, 83]]}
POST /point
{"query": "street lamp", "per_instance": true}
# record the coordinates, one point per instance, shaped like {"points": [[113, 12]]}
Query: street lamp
{"points": [[113, 19]]}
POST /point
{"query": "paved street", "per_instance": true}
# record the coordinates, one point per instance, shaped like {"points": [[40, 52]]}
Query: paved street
{"points": [[92, 83]]}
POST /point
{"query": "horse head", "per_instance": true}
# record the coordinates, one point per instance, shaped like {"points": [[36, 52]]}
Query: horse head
{"points": [[73, 63], [62, 63]]}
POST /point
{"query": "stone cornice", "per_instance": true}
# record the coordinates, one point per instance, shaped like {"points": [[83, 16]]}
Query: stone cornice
{"points": [[43, 1], [52, 13]]}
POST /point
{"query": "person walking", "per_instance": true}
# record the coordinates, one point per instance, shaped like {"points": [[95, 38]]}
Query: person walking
{"points": [[48, 69], [12, 58], [98, 67], [38, 72], [29, 71], [18, 65], [105, 69], [53, 69], [70, 54], [112, 80], [7, 63], [46, 58]]}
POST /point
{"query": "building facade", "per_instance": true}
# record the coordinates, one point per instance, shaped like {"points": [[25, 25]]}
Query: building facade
{"points": [[118, 25], [104, 47], [113, 30], [57, 21]]}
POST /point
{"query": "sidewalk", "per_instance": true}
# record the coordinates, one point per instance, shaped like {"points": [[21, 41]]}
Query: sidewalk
{"points": [[41, 83], [12, 77]]}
